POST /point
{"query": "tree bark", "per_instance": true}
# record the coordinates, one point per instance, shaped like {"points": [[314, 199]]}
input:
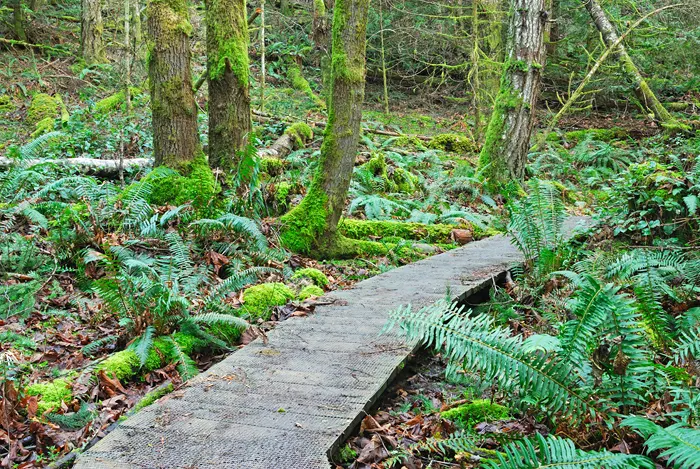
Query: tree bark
{"points": [[504, 153], [645, 95], [229, 95], [18, 18], [311, 227], [173, 108], [91, 46]]}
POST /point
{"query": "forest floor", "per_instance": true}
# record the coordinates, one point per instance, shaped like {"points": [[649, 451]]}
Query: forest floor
{"points": [[57, 328]]}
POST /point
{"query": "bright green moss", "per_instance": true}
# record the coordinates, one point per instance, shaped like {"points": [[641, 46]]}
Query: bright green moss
{"points": [[282, 191], [5, 103], [115, 101], [42, 106], [302, 132], [227, 40], [309, 291], [452, 142], [259, 300], [272, 166], [122, 365], [302, 84], [480, 410], [601, 135], [153, 396], [304, 223], [406, 141], [359, 229], [50, 395], [399, 180], [315, 275], [45, 125], [189, 343], [197, 185]]}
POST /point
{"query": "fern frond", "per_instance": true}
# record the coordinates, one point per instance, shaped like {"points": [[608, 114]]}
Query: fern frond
{"points": [[491, 351], [186, 367], [143, 345], [558, 453], [679, 444]]}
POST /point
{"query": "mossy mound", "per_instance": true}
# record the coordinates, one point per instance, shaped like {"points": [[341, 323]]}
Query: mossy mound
{"points": [[125, 365], [315, 275], [309, 291], [282, 192], [452, 142], [42, 107], [480, 410], [5, 103], [195, 184], [409, 141], [45, 125], [363, 229], [301, 132], [601, 135], [259, 300], [394, 179], [272, 166], [50, 395]]}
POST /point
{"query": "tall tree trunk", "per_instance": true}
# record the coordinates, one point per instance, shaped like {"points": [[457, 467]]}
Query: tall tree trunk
{"points": [[645, 95], [18, 18], [504, 153], [174, 111], [311, 227], [229, 96], [91, 46]]}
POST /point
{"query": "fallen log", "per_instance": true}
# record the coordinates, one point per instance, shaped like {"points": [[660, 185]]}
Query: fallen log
{"points": [[92, 166], [263, 117]]}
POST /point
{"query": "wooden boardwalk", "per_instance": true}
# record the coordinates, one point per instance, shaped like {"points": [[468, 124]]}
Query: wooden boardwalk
{"points": [[289, 403]]}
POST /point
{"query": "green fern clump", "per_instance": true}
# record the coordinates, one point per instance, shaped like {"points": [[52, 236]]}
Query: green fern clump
{"points": [[678, 444], [554, 452]]}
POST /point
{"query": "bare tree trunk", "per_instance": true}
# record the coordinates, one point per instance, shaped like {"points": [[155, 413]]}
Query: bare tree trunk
{"points": [[645, 95], [91, 46], [311, 227], [504, 153], [174, 111], [229, 96]]}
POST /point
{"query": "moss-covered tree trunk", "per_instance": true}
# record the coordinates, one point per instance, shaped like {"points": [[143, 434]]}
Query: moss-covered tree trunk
{"points": [[174, 111], [504, 153], [91, 46], [229, 95], [645, 95], [311, 227], [18, 20]]}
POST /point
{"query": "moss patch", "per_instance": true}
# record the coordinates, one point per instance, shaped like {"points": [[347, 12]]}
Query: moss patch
{"points": [[301, 84], [42, 106], [272, 166], [309, 291], [601, 135], [260, 299], [153, 396], [5, 103], [45, 125], [452, 142], [301, 132], [195, 184], [480, 410], [394, 179], [362, 229], [315, 275], [50, 395], [115, 101]]}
